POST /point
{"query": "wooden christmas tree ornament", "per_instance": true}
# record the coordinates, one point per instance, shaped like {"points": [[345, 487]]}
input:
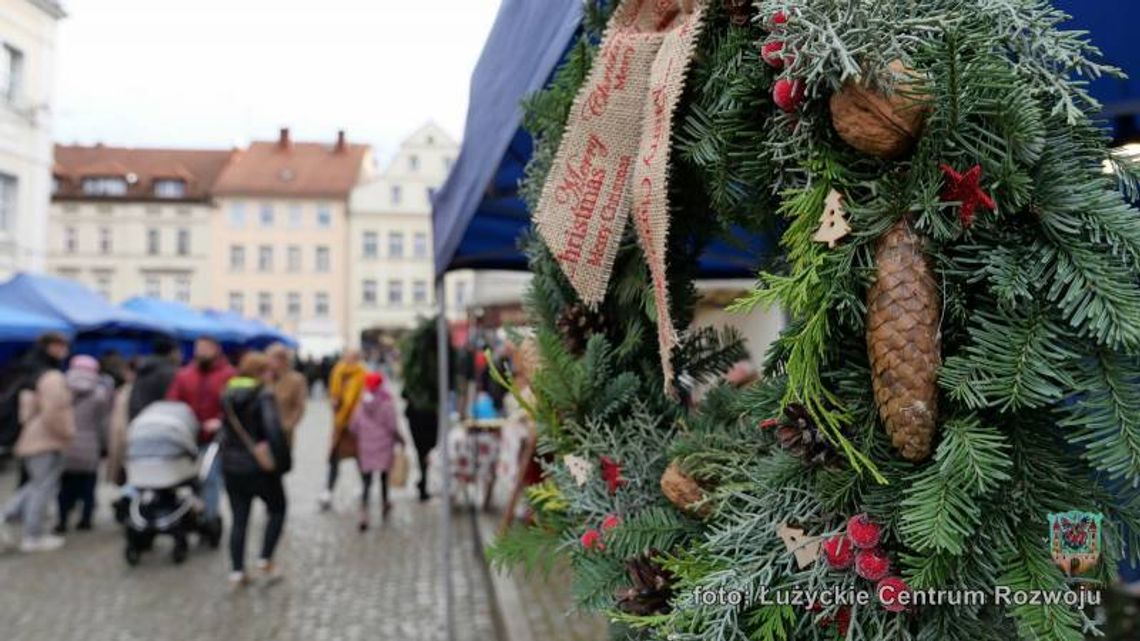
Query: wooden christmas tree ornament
{"points": [[579, 468], [904, 341], [886, 125], [683, 491], [833, 223], [805, 548]]}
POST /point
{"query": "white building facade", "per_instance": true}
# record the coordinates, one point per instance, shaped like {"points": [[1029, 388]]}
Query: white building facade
{"points": [[391, 275], [27, 76]]}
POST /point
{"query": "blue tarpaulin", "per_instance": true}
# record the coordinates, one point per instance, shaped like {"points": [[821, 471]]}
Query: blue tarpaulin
{"points": [[24, 326], [77, 307], [252, 333], [188, 323]]}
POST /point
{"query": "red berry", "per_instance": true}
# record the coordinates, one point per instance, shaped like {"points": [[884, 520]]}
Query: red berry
{"points": [[610, 522], [872, 564], [778, 19], [592, 539], [888, 591], [788, 94], [843, 620], [772, 53], [862, 532], [769, 423], [839, 552]]}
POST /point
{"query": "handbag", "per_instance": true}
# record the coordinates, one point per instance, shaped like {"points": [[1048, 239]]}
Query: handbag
{"points": [[260, 451], [398, 475]]}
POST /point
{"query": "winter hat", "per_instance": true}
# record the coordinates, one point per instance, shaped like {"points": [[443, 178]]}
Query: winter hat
{"points": [[85, 363], [373, 380]]}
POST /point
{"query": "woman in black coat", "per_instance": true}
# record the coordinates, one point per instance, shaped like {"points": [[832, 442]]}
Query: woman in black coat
{"points": [[255, 455]]}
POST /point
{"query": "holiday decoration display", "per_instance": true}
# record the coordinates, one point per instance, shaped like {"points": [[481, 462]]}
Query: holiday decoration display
{"points": [[904, 340], [651, 589], [804, 548], [832, 224], [580, 469], [933, 395], [965, 188], [878, 123], [683, 491], [612, 163]]}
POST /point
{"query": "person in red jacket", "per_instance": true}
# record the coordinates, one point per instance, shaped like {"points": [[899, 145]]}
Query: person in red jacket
{"points": [[200, 385]]}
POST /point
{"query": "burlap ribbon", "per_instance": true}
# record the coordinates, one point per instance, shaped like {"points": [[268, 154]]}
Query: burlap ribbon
{"points": [[614, 157]]}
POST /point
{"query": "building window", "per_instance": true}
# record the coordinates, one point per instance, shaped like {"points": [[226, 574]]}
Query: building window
{"points": [[324, 217], [182, 289], [396, 245], [368, 294], [8, 186], [170, 188], [152, 287], [153, 241], [293, 258], [371, 245], [460, 294], [237, 302], [293, 304], [183, 242], [11, 72], [237, 258], [396, 193], [419, 292], [105, 186], [414, 162], [265, 215], [70, 240], [296, 216], [395, 292], [103, 285], [237, 215], [265, 258], [264, 304], [105, 245], [321, 304], [419, 245], [322, 259]]}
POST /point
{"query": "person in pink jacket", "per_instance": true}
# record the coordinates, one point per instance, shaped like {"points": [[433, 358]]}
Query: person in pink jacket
{"points": [[377, 432]]}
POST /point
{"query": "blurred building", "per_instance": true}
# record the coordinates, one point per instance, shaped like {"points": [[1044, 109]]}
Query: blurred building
{"points": [[280, 237], [27, 78], [391, 276], [130, 222]]}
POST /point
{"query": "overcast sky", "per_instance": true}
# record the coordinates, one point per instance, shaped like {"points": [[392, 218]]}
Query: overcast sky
{"points": [[217, 73]]}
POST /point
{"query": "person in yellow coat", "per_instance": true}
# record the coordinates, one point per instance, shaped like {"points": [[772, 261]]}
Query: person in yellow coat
{"points": [[346, 386]]}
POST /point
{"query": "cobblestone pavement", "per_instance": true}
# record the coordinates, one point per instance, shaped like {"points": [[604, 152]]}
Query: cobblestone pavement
{"points": [[339, 584]]}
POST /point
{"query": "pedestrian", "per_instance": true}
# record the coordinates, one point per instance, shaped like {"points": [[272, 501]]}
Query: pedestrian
{"points": [[288, 387], [47, 426], [91, 396], [375, 427], [254, 456], [200, 385], [154, 375], [346, 384]]}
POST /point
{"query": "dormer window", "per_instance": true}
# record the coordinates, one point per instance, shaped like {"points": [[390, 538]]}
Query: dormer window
{"points": [[105, 186], [170, 188]]}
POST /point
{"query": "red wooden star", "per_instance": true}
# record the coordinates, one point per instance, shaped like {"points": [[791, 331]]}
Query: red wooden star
{"points": [[964, 188], [611, 473]]}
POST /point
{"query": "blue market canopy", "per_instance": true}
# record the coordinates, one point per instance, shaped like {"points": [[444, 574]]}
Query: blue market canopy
{"points": [[1112, 26], [250, 333], [76, 307], [24, 326], [188, 323]]}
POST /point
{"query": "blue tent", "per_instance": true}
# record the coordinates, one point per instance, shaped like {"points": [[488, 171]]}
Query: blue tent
{"points": [[188, 323], [24, 326], [81, 309], [249, 333]]}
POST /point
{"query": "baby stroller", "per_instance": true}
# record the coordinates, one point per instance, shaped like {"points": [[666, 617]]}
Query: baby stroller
{"points": [[162, 492]]}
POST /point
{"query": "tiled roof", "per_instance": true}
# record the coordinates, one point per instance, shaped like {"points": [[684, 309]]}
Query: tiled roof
{"points": [[293, 169], [200, 169]]}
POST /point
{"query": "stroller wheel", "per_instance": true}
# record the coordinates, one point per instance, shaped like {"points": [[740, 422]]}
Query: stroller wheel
{"points": [[181, 550], [133, 555]]}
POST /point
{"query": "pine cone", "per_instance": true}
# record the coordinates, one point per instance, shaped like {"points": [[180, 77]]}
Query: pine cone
{"points": [[800, 436], [576, 324], [651, 590], [904, 340], [683, 491], [739, 11]]}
